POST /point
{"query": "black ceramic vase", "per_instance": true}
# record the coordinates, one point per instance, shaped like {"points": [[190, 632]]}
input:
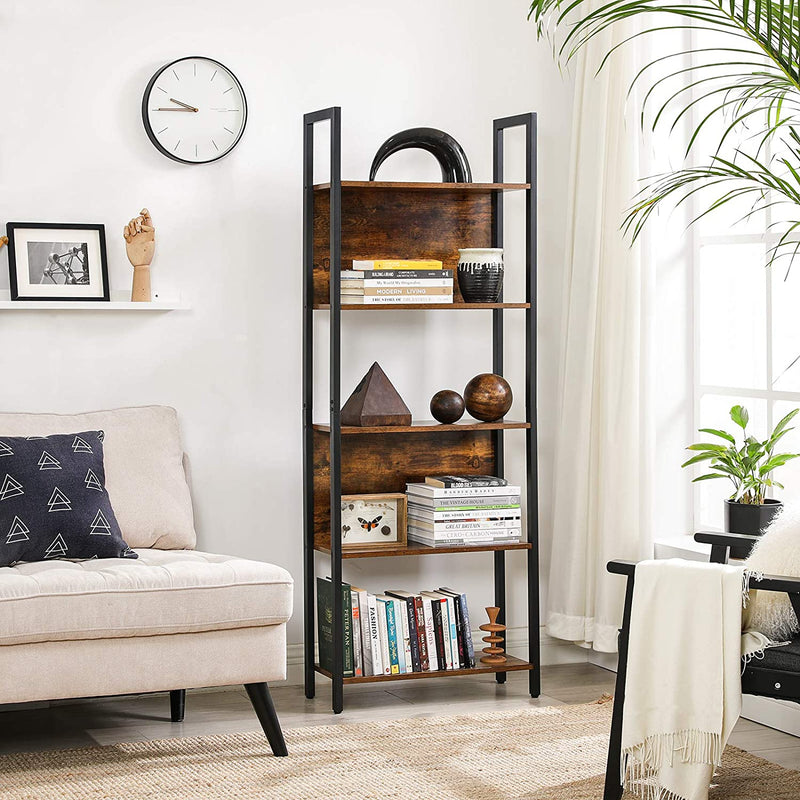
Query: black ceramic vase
{"points": [[749, 519], [480, 274]]}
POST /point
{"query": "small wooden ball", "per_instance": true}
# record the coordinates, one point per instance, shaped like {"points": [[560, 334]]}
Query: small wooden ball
{"points": [[488, 397], [447, 406]]}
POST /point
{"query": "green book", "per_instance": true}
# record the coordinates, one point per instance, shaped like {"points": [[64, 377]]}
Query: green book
{"points": [[325, 625]]}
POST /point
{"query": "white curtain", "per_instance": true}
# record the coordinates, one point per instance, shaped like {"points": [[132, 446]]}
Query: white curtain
{"points": [[602, 476]]}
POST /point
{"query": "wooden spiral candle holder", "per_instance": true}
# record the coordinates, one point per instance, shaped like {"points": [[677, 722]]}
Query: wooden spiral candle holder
{"points": [[494, 653]]}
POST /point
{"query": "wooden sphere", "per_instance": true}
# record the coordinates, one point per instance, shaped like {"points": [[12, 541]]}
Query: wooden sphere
{"points": [[488, 397], [447, 406]]}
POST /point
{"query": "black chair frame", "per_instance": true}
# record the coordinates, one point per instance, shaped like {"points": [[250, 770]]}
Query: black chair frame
{"points": [[756, 679]]}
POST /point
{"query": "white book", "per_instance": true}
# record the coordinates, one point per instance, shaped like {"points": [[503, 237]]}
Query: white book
{"points": [[451, 611], [426, 490], [406, 635], [374, 635], [383, 634], [400, 618], [430, 634], [366, 641]]}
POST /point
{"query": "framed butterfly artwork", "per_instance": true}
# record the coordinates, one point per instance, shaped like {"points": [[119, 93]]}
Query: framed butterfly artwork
{"points": [[370, 521]]}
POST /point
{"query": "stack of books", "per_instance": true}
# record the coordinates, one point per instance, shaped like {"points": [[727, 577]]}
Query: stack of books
{"points": [[463, 510], [396, 632], [396, 282]]}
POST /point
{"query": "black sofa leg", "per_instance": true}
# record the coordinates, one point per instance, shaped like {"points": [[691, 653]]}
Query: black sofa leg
{"points": [[614, 787], [177, 704], [265, 711]]}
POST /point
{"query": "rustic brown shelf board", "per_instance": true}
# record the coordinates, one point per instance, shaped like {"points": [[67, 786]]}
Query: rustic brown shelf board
{"points": [[429, 426], [421, 306], [436, 187], [511, 665], [415, 549]]}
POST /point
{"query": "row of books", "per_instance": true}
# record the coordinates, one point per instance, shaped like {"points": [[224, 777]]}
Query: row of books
{"points": [[396, 632], [463, 510], [396, 282]]}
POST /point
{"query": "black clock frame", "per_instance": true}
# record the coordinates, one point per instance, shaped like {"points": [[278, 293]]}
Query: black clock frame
{"points": [[149, 130]]}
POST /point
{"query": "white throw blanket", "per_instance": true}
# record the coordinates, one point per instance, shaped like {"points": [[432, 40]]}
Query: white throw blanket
{"points": [[683, 690]]}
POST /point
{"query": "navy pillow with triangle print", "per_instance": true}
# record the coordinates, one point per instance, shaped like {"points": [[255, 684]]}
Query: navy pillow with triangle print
{"points": [[53, 500]]}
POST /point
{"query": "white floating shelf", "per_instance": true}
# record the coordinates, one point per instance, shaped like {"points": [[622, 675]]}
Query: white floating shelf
{"points": [[89, 305]]}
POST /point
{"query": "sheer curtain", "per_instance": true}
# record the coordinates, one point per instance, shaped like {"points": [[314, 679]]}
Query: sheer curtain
{"points": [[603, 465]]}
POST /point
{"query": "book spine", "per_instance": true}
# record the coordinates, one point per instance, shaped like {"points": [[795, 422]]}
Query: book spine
{"points": [[382, 614], [462, 650], [459, 491], [441, 652], [407, 291], [399, 275], [413, 635], [403, 644], [402, 283], [391, 629], [465, 528], [422, 642], [396, 263], [456, 503], [324, 628], [424, 539], [467, 627], [467, 515], [430, 633], [366, 638], [373, 300], [347, 612], [374, 635], [358, 658], [451, 631]]}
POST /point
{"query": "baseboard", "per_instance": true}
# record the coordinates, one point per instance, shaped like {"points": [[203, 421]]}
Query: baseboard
{"points": [[553, 651]]}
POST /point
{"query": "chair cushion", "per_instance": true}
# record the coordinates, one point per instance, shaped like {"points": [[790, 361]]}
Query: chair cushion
{"points": [[786, 658], [162, 592], [53, 500], [145, 478]]}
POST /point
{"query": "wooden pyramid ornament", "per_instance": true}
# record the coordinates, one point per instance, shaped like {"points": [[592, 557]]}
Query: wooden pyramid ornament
{"points": [[375, 402]]}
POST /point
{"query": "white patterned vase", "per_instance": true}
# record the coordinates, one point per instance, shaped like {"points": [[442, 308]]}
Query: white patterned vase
{"points": [[480, 274]]}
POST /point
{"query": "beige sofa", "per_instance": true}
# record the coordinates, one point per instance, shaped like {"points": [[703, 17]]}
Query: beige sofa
{"points": [[174, 618]]}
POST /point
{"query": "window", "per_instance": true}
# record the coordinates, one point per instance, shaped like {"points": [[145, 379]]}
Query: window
{"points": [[747, 342]]}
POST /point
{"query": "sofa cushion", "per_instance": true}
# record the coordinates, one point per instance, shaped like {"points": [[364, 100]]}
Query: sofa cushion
{"points": [[145, 478], [162, 592], [53, 501]]}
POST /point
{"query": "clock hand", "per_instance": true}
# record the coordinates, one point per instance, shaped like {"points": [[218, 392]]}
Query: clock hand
{"points": [[182, 110], [185, 105]]}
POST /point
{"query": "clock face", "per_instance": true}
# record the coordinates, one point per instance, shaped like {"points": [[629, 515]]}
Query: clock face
{"points": [[194, 110]]}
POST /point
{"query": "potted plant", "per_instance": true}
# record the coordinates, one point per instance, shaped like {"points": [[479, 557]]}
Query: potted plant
{"points": [[749, 468]]}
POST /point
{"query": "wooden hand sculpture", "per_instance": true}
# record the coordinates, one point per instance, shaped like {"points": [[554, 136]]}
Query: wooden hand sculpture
{"points": [[140, 242]]}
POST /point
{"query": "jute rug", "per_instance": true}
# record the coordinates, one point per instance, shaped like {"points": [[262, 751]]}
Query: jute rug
{"points": [[553, 753]]}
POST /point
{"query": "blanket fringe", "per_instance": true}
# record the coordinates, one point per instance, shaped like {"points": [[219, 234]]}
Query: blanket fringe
{"points": [[642, 763]]}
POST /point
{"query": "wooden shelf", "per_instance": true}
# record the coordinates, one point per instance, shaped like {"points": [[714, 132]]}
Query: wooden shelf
{"points": [[422, 306], [428, 426], [89, 305], [511, 665], [416, 549], [429, 187]]}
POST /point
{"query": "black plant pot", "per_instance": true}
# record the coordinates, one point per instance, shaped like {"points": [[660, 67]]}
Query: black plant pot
{"points": [[749, 519]]}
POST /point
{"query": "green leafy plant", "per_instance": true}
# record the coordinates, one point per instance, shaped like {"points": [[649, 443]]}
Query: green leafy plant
{"points": [[748, 80], [750, 466]]}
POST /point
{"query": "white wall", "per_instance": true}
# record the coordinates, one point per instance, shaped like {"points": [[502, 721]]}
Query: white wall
{"points": [[72, 148]]}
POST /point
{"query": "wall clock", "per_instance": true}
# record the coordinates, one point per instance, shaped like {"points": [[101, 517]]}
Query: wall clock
{"points": [[194, 110]]}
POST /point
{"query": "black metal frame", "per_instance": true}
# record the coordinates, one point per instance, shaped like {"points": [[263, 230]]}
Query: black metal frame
{"points": [[333, 116], [756, 680]]}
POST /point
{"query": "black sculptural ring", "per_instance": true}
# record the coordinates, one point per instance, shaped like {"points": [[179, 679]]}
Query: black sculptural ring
{"points": [[448, 152]]}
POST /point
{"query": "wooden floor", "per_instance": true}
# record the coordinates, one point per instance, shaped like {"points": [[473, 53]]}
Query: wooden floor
{"points": [[138, 718]]}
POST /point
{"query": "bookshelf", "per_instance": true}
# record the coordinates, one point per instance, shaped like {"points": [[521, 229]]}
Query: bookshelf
{"points": [[346, 220]]}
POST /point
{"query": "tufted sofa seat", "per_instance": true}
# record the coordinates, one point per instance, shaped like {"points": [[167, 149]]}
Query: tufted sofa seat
{"points": [[162, 592]]}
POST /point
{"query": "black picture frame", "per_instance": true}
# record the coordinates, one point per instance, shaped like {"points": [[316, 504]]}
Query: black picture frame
{"points": [[14, 263]]}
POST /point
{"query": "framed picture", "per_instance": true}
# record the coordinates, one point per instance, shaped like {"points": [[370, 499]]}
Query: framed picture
{"points": [[57, 261], [373, 520]]}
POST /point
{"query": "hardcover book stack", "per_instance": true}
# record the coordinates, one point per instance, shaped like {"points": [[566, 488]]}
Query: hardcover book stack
{"points": [[463, 510], [397, 282], [396, 632]]}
